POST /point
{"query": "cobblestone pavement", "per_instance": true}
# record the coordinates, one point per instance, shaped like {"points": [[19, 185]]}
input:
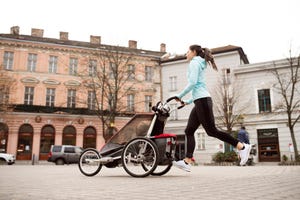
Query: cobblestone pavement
{"points": [[42, 182]]}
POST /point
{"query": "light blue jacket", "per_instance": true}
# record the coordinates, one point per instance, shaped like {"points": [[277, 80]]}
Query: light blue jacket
{"points": [[196, 80]]}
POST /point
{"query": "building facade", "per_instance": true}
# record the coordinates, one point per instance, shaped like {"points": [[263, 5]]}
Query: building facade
{"points": [[53, 97]]}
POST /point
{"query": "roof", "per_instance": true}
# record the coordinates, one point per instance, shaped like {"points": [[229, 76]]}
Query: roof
{"points": [[230, 48], [80, 44]]}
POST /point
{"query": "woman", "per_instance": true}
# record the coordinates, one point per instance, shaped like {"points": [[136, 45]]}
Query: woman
{"points": [[202, 113]]}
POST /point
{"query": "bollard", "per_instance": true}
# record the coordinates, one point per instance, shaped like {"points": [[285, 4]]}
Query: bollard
{"points": [[33, 158]]}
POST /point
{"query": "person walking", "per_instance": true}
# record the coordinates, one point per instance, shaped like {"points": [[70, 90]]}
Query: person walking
{"points": [[243, 135], [202, 112]]}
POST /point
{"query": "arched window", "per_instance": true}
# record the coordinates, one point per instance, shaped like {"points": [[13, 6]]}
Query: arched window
{"points": [[69, 135], [25, 139], [47, 139], [89, 137], [3, 137]]}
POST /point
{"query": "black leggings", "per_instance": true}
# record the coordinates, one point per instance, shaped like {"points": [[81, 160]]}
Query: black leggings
{"points": [[202, 114]]}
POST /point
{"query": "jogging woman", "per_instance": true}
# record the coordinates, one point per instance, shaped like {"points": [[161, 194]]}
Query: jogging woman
{"points": [[202, 113]]}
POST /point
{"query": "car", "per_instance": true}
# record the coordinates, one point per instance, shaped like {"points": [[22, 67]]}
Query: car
{"points": [[64, 154], [6, 158]]}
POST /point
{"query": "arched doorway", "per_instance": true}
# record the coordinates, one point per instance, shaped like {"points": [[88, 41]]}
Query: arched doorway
{"points": [[3, 137], [89, 137], [47, 139], [69, 135], [25, 139]]}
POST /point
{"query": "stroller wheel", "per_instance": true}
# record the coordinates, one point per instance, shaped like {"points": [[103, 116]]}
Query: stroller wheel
{"points": [[140, 157], [89, 162], [161, 170]]}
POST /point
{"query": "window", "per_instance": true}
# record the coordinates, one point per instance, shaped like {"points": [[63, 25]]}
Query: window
{"points": [[131, 72], [73, 66], [69, 150], [264, 100], [56, 148], [71, 98], [53, 64], [91, 100], [92, 68], [28, 97], [50, 97], [112, 70], [130, 102], [226, 76], [148, 73], [148, 103], [8, 60], [200, 140], [31, 62], [111, 101], [4, 95], [173, 83]]}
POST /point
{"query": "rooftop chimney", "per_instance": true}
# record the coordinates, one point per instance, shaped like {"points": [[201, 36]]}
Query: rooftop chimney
{"points": [[162, 47], [63, 35], [132, 44], [95, 39], [15, 30], [37, 32]]}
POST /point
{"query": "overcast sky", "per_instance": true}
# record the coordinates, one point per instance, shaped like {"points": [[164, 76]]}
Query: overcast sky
{"points": [[265, 29]]}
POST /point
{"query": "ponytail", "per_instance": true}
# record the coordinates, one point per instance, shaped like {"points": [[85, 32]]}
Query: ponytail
{"points": [[209, 58], [206, 54]]}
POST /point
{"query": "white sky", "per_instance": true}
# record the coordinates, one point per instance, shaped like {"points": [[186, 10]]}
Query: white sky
{"points": [[265, 29]]}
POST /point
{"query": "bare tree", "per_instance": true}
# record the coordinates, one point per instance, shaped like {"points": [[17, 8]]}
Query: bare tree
{"points": [[227, 95], [110, 83], [6, 87], [287, 85]]}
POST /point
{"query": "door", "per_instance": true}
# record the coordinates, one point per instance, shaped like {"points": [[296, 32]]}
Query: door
{"points": [[268, 145]]}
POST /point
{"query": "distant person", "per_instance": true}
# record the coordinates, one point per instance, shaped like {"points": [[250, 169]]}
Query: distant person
{"points": [[243, 135], [202, 113]]}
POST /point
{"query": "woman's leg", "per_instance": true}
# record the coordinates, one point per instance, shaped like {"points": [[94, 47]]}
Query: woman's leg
{"points": [[206, 116], [193, 124]]}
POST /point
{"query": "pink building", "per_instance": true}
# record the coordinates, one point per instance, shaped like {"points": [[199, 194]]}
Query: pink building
{"points": [[50, 101]]}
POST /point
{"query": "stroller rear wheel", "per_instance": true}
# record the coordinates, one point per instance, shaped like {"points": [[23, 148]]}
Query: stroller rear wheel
{"points": [[89, 162], [140, 157]]}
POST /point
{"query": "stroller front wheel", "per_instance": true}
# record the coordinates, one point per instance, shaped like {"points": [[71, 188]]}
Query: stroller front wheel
{"points": [[89, 162]]}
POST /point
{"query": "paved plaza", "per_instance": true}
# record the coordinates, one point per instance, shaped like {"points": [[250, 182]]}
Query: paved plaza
{"points": [[42, 182]]}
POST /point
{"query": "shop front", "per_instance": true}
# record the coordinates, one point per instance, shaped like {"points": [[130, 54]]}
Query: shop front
{"points": [[268, 145]]}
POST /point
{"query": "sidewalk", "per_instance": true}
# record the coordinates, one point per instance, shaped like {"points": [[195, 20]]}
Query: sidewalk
{"points": [[35, 182]]}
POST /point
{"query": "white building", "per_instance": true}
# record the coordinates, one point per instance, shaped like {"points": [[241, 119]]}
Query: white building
{"points": [[266, 127]]}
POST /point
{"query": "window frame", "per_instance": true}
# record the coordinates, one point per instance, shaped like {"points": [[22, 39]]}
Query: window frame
{"points": [[8, 60], [28, 95], [31, 62], [73, 66], [130, 102], [52, 68], [71, 99], [50, 97], [266, 98]]}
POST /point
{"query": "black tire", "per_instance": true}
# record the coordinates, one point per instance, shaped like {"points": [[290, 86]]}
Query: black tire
{"points": [[161, 170], [3, 162], [92, 166], [140, 157], [60, 161]]}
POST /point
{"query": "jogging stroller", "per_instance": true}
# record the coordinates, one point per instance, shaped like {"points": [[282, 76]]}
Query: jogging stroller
{"points": [[140, 147]]}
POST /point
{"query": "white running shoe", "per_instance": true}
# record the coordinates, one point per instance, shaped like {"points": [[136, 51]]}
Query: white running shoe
{"points": [[244, 154], [182, 165]]}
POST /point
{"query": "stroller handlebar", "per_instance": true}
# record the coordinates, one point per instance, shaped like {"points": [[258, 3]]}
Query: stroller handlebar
{"points": [[177, 99]]}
